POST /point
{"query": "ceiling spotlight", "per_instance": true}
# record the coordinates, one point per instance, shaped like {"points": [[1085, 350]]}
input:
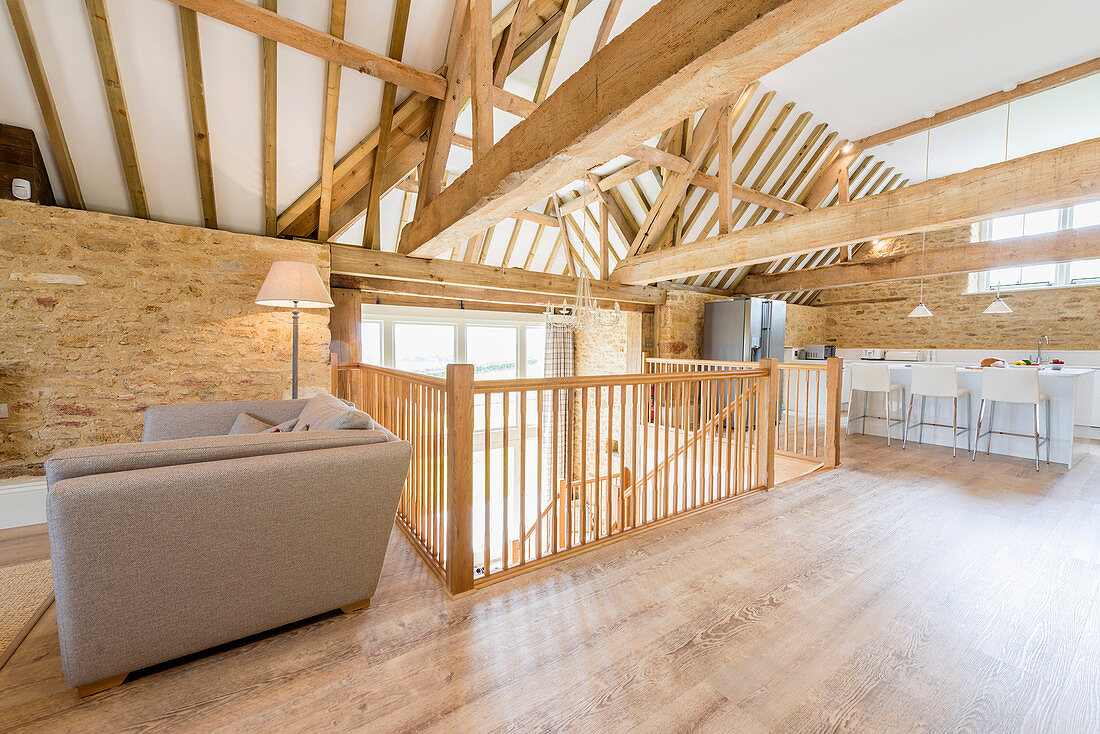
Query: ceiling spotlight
{"points": [[848, 148], [876, 242], [1009, 87], [929, 114]]}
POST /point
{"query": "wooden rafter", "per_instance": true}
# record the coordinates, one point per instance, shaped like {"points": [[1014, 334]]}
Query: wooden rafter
{"points": [[261, 21], [576, 128], [676, 185], [116, 101], [37, 72], [196, 94], [606, 25], [372, 225], [1063, 246], [331, 113], [550, 65], [447, 109], [481, 75], [359, 261], [1054, 178], [412, 119], [269, 62], [508, 43], [459, 292]]}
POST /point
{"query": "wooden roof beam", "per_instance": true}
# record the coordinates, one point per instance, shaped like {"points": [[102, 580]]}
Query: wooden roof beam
{"points": [[329, 47], [625, 95], [1054, 178], [192, 60], [353, 260], [1055, 247], [33, 60], [116, 102]]}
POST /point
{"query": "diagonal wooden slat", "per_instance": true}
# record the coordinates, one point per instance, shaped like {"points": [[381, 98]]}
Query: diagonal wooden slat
{"points": [[332, 111], [372, 224], [268, 60], [196, 94], [33, 60], [116, 102]]}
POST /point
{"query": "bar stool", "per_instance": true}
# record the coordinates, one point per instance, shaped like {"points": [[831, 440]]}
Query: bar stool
{"points": [[873, 378], [938, 381], [1017, 386]]}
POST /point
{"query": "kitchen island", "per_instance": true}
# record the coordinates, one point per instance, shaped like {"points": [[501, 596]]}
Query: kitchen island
{"points": [[1067, 388]]}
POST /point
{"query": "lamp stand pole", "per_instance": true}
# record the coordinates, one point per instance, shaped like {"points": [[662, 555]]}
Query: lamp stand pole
{"points": [[294, 356]]}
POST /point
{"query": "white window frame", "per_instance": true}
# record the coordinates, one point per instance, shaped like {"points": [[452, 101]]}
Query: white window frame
{"points": [[388, 316], [980, 282]]}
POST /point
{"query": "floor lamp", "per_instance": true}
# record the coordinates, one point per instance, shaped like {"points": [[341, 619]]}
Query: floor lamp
{"points": [[294, 285]]}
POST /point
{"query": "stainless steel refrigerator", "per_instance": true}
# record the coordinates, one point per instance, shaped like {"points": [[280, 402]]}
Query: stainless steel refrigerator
{"points": [[744, 329]]}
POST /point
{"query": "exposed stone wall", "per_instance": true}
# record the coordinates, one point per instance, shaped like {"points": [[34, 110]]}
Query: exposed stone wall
{"points": [[105, 315], [875, 316], [680, 325], [604, 351]]}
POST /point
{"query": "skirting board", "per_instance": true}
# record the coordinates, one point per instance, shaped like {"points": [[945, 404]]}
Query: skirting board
{"points": [[22, 502]]}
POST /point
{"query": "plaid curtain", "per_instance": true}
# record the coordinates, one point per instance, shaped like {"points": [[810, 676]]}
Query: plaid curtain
{"points": [[559, 363]]}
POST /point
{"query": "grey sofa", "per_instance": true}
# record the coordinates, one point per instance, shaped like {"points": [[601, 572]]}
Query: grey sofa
{"points": [[194, 538]]}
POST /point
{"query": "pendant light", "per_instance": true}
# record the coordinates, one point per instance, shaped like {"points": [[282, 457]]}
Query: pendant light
{"points": [[999, 306], [921, 311]]}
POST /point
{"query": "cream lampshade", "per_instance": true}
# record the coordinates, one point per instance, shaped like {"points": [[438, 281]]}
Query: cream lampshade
{"points": [[294, 285]]}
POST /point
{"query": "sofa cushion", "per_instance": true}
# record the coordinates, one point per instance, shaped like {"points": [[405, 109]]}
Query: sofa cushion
{"points": [[192, 420], [80, 462], [329, 413], [248, 423]]}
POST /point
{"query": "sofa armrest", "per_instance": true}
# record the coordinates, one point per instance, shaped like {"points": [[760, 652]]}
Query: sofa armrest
{"points": [[153, 564], [193, 420], [109, 458]]}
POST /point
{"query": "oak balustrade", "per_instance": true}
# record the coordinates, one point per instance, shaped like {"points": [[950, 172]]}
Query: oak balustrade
{"points": [[509, 475]]}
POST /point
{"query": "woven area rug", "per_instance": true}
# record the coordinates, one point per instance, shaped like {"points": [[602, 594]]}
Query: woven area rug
{"points": [[26, 592]]}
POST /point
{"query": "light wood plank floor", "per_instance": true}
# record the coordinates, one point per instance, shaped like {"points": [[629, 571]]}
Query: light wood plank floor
{"points": [[906, 591]]}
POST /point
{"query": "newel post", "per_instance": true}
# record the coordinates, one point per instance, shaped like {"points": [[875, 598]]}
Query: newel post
{"points": [[833, 379], [334, 370], [767, 415], [460, 477]]}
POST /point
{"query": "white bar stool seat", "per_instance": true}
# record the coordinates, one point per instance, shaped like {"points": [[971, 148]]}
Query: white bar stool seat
{"points": [[873, 378], [938, 381], [1019, 386]]}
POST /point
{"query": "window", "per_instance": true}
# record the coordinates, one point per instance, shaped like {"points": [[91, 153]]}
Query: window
{"points": [[372, 342], [426, 340], [1051, 275], [423, 348], [492, 351], [536, 351]]}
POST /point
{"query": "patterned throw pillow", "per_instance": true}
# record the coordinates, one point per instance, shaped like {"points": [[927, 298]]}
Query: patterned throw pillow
{"points": [[329, 413]]}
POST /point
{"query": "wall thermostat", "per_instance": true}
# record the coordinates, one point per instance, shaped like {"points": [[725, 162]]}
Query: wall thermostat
{"points": [[21, 188]]}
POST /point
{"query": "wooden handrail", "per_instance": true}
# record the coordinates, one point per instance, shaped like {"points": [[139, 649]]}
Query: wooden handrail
{"points": [[548, 383]]}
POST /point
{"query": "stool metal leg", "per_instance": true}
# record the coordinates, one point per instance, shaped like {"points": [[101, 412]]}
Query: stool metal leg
{"points": [[970, 423], [908, 417], [920, 433], [863, 426], [1037, 437], [886, 397], [954, 426], [1048, 432], [848, 422], [981, 409], [989, 441]]}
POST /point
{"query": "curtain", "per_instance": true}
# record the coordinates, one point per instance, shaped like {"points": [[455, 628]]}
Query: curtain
{"points": [[559, 363]]}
